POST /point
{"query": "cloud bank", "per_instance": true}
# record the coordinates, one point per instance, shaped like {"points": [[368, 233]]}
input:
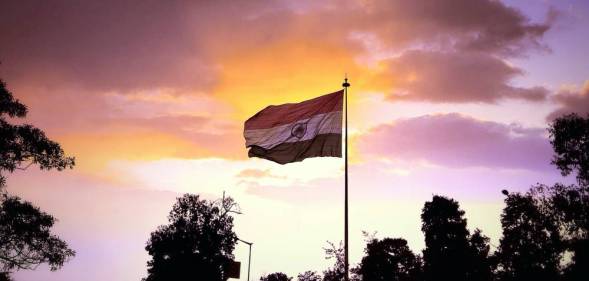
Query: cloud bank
{"points": [[453, 140], [74, 63], [453, 77], [572, 102]]}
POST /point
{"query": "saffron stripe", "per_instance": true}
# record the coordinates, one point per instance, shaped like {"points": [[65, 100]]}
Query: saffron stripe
{"points": [[276, 115]]}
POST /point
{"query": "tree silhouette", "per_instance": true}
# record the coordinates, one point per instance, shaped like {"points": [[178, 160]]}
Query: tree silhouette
{"points": [[530, 247], [569, 136], [337, 271], [24, 145], [480, 261], [25, 237], [449, 254], [197, 243], [4, 276], [309, 276], [277, 276], [25, 231], [568, 207], [389, 260], [446, 238], [578, 269]]}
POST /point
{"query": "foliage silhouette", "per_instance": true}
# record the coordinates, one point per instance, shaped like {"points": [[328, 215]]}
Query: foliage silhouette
{"points": [[25, 237], [309, 276], [541, 229], [337, 271], [389, 260], [4, 276], [448, 254], [25, 144], [579, 268], [569, 136], [530, 248], [196, 244], [277, 276], [568, 207], [25, 231], [481, 264]]}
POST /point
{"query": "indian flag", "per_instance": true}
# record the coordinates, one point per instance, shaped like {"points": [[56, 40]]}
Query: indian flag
{"points": [[294, 131]]}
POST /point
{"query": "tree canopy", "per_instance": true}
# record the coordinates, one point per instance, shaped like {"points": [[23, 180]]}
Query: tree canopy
{"points": [[450, 250], [25, 145], [389, 260], [197, 243], [25, 237], [277, 276], [446, 238], [569, 136], [338, 270], [530, 247], [309, 276], [25, 231], [481, 264]]}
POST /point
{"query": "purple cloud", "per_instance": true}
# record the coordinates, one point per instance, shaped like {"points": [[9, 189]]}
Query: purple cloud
{"points": [[572, 102], [453, 140], [115, 45], [128, 45], [469, 25], [457, 77]]}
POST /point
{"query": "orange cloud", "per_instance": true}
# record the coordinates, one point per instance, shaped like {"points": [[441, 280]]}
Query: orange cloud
{"points": [[287, 71], [93, 151]]}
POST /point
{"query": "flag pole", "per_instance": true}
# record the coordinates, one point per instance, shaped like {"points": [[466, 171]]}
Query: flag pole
{"points": [[346, 263]]}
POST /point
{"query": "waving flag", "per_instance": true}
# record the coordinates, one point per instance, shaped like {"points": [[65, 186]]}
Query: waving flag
{"points": [[294, 131]]}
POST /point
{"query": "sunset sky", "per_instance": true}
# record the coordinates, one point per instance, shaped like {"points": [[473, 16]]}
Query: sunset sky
{"points": [[448, 97]]}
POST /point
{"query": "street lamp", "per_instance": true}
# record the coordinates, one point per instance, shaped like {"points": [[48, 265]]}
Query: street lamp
{"points": [[249, 261]]}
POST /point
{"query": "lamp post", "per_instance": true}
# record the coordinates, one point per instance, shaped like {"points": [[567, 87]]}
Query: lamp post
{"points": [[249, 261]]}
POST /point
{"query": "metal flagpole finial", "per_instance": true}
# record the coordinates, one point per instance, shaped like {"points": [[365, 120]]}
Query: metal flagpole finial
{"points": [[346, 84]]}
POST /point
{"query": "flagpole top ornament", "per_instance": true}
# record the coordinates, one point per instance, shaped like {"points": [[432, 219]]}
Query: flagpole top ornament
{"points": [[346, 84]]}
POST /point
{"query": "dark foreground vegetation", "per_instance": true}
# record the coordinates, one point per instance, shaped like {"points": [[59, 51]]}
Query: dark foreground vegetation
{"points": [[25, 231], [545, 230], [545, 234]]}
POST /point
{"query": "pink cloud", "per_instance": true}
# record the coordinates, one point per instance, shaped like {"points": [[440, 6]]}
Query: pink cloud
{"points": [[257, 173], [125, 45], [60, 57], [114, 45], [453, 140], [457, 77], [572, 102], [469, 25]]}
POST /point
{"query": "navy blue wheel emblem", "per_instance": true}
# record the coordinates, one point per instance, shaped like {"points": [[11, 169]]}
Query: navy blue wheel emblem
{"points": [[299, 130]]}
